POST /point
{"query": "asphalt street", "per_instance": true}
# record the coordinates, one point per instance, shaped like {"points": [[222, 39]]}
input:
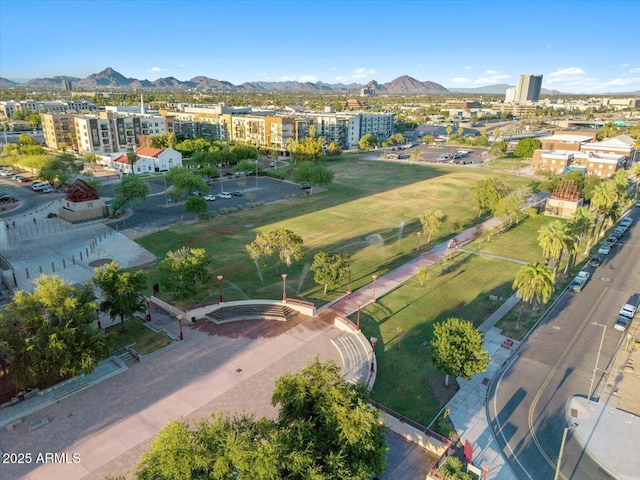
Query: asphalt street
{"points": [[527, 401]]}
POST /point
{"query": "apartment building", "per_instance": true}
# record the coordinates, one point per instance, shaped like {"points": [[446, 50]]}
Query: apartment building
{"points": [[603, 165], [620, 145], [529, 88], [106, 132]]}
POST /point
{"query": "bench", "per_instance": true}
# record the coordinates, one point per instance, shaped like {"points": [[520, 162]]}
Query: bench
{"points": [[38, 425]]}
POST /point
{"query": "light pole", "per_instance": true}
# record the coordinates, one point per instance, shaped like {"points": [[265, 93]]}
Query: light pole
{"points": [[219, 277], [349, 284], [418, 247], [358, 320], [373, 294], [593, 377], [180, 325], [284, 287], [564, 439], [374, 340]]}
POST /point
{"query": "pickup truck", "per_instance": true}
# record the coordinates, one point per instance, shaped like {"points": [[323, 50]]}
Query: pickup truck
{"points": [[580, 281]]}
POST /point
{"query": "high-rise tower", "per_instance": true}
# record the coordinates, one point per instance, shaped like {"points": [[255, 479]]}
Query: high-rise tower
{"points": [[528, 89]]}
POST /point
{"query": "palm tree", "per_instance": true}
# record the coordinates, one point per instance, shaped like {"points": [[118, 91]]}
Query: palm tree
{"points": [[603, 200], [533, 284], [581, 224], [552, 238]]}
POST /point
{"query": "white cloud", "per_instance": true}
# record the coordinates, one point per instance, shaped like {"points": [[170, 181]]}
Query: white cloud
{"points": [[620, 81], [342, 79], [181, 65], [490, 72], [624, 65], [634, 70], [307, 78], [460, 80], [565, 72], [334, 68], [363, 72], [498, 78], [467, 67], [156, 69]]}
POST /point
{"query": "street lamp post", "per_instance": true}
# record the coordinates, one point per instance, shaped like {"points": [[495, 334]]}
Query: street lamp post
{"points": [[418, 247], [349, 284], [373, 294], [358, 319], [220, 288], [593, 377], [284, 287], [180, 325], [564, 439], [148, 316], [374, 340]]}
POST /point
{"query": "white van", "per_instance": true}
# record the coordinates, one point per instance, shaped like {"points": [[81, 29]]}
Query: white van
{"points": [[39, 186]]}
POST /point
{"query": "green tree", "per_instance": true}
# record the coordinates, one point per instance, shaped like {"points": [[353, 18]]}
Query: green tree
{"points": [[552, 239], [498, 149], [51, 333], [329, 422], [415, 155], [131, 190], [424, 275], [457, 349], [196, 204], [510, 207], [313, 174], [122, 291], [285, 243], [61, 170], [533, 283], [183, 270], [487, 192], [334, 149], [330, 269], [184, 181], [310, 149], [526, 147], [581, 224], [432, 223], [25, 139], [367, 142], [604, 202]]}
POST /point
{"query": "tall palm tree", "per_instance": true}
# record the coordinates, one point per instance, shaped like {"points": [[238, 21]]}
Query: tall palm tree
{"points": [[603, 200], [553, 240], [581, 224], [533, 284]]}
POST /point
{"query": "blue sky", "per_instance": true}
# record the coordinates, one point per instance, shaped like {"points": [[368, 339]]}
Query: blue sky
{"points": [[579, 46]]}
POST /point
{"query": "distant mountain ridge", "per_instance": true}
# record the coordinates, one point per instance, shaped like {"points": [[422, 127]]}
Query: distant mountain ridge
{"points": [[109, 78]]}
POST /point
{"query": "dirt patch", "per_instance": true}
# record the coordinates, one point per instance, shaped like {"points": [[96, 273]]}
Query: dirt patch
{"points": [[442, 393], [100, 262]]}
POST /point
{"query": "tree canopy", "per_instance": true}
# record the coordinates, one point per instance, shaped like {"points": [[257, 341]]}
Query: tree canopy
{"points": [[285, 243], [367, 142], [183, 270], [122, 291], [325, 430], [61, 170], [311, 173], [330, 269], [184, 181], [526, 147], [131, 190], [487, 192], [49, 334], [457, 349]]}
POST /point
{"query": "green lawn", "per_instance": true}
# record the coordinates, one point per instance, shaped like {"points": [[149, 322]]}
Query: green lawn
{"points": [[145, 339], [367, 198], [402, 321]]}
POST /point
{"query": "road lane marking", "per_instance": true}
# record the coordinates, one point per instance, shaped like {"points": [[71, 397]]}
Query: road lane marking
{"points": [[550, 376]]}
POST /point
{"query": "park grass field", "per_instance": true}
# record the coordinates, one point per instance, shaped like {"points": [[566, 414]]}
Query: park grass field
{"points": [[369, 213], [403, 320]]}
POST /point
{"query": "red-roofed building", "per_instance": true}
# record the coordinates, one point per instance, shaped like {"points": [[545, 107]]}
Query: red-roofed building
{"points": [[148, 160]]}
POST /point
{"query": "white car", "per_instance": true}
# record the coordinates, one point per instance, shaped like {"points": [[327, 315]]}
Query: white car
{"points": [[209, 198], [604, 249], [224, 195], [39, 186], [47, 189], [628, 310], [626, 222]]}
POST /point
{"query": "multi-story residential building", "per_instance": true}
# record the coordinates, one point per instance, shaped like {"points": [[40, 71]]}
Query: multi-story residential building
{"points": [[510, 95], [528, 89], [603, 165], [620, 145], [7, 107], [567, 140], [103, 133]]}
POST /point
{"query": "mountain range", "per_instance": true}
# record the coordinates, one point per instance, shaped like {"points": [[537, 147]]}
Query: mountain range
{"points": [[111, 79]]}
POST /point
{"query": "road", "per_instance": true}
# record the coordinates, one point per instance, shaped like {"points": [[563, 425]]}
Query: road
{"points": [[527, 401]]}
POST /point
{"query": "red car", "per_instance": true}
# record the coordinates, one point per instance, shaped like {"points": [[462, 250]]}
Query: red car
{"points": [[24, 179]]}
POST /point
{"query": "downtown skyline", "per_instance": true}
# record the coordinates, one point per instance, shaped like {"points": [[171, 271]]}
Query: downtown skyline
{"points": [[577, 46]]}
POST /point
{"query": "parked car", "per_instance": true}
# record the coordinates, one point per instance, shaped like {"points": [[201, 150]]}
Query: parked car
{"points": [[224, 195], [580, 281], [604, 249], [628, 310], [618, 232], [47, 189], [197, 193], [305, 186], [621, 323], [37, 186], [236, 193], [626, 222], [611, 240], [637, 204], [24, 180], [209, 198], [596, 261]]}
